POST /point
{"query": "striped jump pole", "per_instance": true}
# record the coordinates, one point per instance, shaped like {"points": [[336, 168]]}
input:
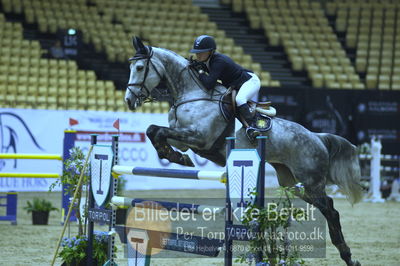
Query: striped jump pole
{"points": [[171, 173], [169, 206]]}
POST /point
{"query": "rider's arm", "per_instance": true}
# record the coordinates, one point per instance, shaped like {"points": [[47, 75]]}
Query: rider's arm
{"points": [[209, 81]]}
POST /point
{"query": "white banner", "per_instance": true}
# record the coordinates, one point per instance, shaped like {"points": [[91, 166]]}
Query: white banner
{"points": [[42, 132]]}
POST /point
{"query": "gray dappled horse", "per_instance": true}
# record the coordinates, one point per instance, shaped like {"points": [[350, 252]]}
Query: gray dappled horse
{"points": [[196, 122]]}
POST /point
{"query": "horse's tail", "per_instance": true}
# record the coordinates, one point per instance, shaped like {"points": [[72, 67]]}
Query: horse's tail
{"points": [[344, 166]]}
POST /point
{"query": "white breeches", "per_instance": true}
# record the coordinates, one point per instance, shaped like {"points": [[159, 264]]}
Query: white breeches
{"points": [[249, 90]]}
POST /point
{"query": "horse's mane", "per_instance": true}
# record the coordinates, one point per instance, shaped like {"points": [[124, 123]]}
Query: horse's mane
{"points": [[218, 86], [173, 53]]}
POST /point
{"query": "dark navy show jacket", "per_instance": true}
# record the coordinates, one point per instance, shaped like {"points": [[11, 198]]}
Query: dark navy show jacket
{"points": [[223, 68]]}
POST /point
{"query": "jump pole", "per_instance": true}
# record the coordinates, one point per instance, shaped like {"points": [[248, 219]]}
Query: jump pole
{"points": [[31, 156], [170, 173]]}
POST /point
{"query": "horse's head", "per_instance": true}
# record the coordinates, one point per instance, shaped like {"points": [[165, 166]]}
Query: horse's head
{"points": [[145, 74]]}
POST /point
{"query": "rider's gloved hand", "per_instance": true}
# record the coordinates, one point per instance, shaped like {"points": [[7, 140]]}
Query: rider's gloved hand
{"points": [[198, 66]]}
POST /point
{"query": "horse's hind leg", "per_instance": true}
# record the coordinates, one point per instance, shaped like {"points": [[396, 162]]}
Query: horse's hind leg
{"points": [[317, 197], [159, 136]]}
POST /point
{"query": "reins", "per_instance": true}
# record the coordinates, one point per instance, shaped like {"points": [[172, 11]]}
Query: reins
{"points": [[211, 99]]}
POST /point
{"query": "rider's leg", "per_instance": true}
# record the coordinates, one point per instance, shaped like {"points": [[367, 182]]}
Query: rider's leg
{"points": [[247, 91]]}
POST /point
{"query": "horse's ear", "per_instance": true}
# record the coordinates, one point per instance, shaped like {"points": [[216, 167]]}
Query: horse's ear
{"points": [[134, 42], [138, 44]]}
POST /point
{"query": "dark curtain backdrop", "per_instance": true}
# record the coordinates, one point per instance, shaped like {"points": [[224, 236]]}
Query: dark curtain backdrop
{"points": [[355, 115]]}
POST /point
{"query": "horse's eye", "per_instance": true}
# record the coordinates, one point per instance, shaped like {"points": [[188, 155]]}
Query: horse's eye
{"points": [[139, 68]]}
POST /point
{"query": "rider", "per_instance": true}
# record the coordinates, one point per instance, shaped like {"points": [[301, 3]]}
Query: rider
{"points": [[222, 67]]}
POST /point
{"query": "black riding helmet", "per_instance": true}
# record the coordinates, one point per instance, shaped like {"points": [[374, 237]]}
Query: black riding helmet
{"points": [[203, 43]]}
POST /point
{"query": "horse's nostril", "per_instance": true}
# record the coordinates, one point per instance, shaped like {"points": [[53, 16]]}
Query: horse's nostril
{"points": [[129, 102]]}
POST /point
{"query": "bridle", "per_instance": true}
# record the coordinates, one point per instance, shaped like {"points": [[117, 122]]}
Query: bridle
{"points": [[143, 96]]}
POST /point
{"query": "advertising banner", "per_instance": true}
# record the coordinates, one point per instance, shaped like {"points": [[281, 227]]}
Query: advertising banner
{"points": [[356, 115], [41, 132], [377, 113]]}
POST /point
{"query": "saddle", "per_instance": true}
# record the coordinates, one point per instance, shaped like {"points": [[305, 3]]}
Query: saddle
{"points": [[262, 111]]}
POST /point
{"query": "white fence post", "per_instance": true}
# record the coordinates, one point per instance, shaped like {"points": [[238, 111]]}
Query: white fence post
{"points": [[375, 183]]}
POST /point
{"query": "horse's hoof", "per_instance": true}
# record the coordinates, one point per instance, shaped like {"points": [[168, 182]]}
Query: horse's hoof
{"points": [[355, 263], [187, 161]]}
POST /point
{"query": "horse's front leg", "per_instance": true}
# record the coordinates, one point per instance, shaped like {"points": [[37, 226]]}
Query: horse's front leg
{"points": [[159, 135]]}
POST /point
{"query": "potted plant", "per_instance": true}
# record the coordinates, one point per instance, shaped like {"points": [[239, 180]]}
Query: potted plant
{"points": [[73, 251], [40, 209]]}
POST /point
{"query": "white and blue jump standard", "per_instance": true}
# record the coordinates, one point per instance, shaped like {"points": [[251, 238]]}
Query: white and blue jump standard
{"points": [[102, 186], [245, 172]]}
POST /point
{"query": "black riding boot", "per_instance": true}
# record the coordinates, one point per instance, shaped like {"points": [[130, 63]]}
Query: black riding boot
{"points": [[244, 111]]}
